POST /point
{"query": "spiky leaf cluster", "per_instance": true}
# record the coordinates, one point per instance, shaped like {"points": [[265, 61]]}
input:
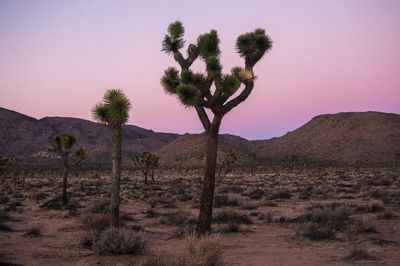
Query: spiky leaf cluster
{"points": [[4, 163], [114, 110], [253, 45], [188, 94], [208, 44], [171, 80], [173, 41], [146, 160], [62, 143], [230, 84]]}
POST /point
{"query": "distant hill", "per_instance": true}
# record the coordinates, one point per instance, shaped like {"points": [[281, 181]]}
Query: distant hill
{"points": [[333, 138], [338, 138], [190, 149], [26, 138]]}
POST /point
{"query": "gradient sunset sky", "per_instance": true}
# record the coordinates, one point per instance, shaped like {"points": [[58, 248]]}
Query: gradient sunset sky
{"points": [[57, 58]]}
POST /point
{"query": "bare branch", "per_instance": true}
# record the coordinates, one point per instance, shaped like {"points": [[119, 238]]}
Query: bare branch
{"points": [[240, 98], [203, 117]]}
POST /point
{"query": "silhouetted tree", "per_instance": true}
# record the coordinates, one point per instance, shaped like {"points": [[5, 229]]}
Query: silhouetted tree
{"points": [[5, 163], [229, 159], [252, 158], [195, 90], [146, 162], [62, 146], [114, 112]]}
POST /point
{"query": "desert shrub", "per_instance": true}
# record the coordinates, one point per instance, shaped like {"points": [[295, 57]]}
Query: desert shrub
{"points": [[99, 206], [381, 195], [95, 221], [247, 205], [254, 194], [120, 241], [163, 260], [306, 192], [226, 200], [282, 193], [204, 251], [387, 215], [4, 199], [266, 217], [358, 254], [40, 196], [89, 238], [178, 218], [372, 206], [229, 228], [151, 213], [5, 228], [315, 231], [4, 217], [380, 181], [33, 232], [228, 216], [230, 189], [53, 204], [12, 205]]}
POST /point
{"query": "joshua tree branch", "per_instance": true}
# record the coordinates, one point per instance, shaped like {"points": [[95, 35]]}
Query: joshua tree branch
{"points": [[203, 117], [240, 98]]}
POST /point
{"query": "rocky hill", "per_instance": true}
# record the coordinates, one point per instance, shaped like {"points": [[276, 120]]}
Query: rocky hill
{"points": [[26, 139], [338, 138], [334, 138]]}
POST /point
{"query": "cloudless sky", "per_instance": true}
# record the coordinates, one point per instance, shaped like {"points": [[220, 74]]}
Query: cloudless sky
{"points": [[57, 58]]}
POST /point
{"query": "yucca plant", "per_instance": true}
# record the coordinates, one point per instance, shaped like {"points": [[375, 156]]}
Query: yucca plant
{"points": [[114, 112], [229, 159], [195, 90], [62, 145], [4, 164], [252, 157], [147, 162]]}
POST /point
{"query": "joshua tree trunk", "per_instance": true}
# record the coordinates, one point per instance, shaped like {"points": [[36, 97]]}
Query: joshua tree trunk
{"points": [[152, 176], [207, 198], [65, 183], [116, 138]]}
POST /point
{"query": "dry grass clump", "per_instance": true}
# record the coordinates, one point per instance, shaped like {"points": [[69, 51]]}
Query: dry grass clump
{"points": [[231, 216], [120, 241], [359, 254], [201, 251], [227, 200], [178, 218]]}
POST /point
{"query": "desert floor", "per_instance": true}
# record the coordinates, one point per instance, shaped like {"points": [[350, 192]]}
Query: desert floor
{"points": [[329, 216]]}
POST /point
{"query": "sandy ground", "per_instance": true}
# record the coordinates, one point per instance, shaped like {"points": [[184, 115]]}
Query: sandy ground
{"points": [[276, 243]]}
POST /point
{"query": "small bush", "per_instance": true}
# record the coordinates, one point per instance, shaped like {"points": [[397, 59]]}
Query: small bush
{"points": [[177, 218], [33, 232], [225, 200], [232, 216], [97, 222], [120, 241], [387, 215], [318, 232], [282, 193], [204, 251], [5, 228], [99, 206], [255, 194], [358, 254]]}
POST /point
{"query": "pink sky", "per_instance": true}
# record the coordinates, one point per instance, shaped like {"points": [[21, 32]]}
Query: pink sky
{"points": [[57, 58]]}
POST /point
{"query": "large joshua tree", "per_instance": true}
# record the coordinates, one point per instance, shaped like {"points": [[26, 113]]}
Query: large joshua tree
{"points": [[196, 90], [62, 146], [113, 111]]}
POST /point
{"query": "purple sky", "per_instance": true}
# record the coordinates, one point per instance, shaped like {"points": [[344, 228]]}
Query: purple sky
{"points": [[57, 58]]}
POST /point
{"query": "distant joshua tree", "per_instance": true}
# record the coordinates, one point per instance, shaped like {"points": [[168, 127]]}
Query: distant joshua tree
{"points": [[113, 111], [4, 164], [195, 90], [227, 163], [252, 158], [62, 146], [146, 162]]}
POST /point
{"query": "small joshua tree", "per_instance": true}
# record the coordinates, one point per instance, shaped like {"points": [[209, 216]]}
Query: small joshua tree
{"points": [[5, 163], [229, 159], [62, 146], [146, 162], [114, 112], [195, 90], [252, 158]]}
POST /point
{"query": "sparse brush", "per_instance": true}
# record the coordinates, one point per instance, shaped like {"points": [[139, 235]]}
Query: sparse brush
{"points": [[204, 251], [120, 241], [358, 254], [33, 232]]}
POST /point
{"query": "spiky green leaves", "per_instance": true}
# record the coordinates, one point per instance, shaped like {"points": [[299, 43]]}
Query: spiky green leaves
{"points": [[4, 163], [81, 154], [171, 80], [114, 110], [173, 41], [213, 66], [188, 94], [253, 45], [208, 44], [230, 84], [61, 142]]}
